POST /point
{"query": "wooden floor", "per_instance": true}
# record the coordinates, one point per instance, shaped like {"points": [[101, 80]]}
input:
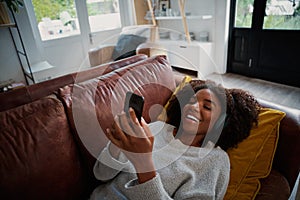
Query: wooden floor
{"points": [[274, 92]]}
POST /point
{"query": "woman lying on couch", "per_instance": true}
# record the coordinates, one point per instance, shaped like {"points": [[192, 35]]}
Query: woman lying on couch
{"points": [[182, 158]]}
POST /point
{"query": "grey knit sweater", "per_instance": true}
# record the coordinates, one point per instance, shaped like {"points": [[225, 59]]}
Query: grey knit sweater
{"points": [[182, 172]]}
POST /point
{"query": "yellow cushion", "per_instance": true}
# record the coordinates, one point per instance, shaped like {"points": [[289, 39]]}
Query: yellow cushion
{"points": [[253, 157], [185, 80]]}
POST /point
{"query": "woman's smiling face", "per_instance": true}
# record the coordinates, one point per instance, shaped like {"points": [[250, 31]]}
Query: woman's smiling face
{"points": [[201, 113]]}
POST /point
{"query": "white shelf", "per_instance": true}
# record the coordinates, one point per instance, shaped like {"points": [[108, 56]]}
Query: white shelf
{"points": [[203, 17], [40, 71], [8, 25], [40, 66], [183, 42]]}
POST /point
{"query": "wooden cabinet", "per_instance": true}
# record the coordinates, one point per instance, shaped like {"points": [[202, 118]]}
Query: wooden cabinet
{"points": [[194, 56]]}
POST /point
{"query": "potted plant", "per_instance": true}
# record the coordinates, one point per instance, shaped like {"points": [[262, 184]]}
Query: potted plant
{"points": [[12, 5]]}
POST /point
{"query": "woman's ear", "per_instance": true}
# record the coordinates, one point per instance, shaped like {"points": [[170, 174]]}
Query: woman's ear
{"points": [[214, 134], [220, 123]]}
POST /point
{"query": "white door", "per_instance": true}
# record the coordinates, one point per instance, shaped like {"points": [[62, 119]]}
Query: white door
{"points": [[69, 28]]}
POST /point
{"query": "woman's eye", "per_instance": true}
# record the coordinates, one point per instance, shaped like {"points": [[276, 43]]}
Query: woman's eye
{"points": [[207, 107]]}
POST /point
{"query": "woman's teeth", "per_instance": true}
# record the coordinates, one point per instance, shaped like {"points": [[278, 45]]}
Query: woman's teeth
{"points": [[193, 118]]}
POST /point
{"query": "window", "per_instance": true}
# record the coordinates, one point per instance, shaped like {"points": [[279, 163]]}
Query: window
{"points": [[244, 12], [59, 18], [56, 19], [282, 14], [103, 14]]}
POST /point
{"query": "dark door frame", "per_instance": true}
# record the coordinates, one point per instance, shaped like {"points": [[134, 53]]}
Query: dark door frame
{"points": [[252, 51]]}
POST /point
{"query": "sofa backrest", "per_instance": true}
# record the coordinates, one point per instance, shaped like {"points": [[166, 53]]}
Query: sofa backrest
{"points": [[34, 92]]}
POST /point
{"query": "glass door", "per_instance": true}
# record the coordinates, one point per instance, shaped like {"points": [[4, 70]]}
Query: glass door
{"points": [[264, 38], [241, 36], [243, 13], [282, 15]]}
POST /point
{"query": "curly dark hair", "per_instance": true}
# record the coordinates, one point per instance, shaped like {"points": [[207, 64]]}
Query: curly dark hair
{"points": [[242, 113], [239, 108]]}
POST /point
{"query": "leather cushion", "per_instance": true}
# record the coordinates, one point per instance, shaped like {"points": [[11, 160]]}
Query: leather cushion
{"points": [[39, 158]]}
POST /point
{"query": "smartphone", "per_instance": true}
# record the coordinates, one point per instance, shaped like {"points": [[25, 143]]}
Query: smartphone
{"points": [[136, 102]]}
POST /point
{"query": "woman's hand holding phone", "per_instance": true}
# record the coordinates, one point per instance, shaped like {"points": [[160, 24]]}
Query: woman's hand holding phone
{"points": [[136, 102], [134, 139], [131, 134]]}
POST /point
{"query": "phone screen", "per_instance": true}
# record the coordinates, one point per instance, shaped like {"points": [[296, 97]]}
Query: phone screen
{"points": [[136, 102]]}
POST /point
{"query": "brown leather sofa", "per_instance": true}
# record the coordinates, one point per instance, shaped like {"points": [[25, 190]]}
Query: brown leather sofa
{"points": [[51, 132]]}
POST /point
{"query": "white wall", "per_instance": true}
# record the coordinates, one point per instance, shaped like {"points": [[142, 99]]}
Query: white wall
{"points": [[9, 65], [221, 33]]}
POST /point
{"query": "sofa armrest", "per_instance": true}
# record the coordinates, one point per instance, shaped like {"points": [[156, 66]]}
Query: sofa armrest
{"points": [[286, 159], [100, 55]]}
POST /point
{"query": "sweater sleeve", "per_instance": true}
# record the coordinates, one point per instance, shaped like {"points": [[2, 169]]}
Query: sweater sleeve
{"points": [[207, 181], [211, 180], [150, 190], [223, 177], [107, 167]]}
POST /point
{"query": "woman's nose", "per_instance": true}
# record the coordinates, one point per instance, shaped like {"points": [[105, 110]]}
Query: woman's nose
{"points": [[196, 106]]}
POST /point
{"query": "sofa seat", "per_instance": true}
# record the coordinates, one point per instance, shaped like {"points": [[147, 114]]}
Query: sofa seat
{"points": [[269, 190]]}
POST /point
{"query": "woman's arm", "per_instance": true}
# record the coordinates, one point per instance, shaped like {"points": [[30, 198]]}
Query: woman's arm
{"points": [[137, 147], [136, 141], [109, 163]]}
